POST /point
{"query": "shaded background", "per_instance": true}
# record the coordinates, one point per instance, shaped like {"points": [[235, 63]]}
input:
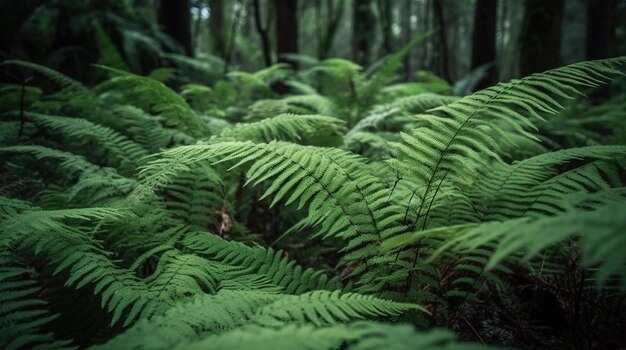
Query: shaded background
{"points": [[496, 39]]}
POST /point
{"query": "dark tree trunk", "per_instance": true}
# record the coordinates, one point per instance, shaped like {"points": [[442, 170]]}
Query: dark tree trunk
{"points": [[364, 20], [384, 11], [601, 29], [540, 40], [407, 32], [217, 28], [263, 33], [484, 40], [444, 61], [326, 34], [286, 29], [176, 21], [232, 35]]}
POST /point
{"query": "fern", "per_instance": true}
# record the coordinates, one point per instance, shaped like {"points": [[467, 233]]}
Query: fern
{"points": [[21, 314], [127, 152], [358, 335], [58, 78], [154, 208], [322, 307], [340, 194], [288, 127], [510, 190], [161, 100], [268, 263], [460, 137]]}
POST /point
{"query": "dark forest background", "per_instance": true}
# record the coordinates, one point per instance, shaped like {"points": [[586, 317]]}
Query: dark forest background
{"points": [[495, 39]]}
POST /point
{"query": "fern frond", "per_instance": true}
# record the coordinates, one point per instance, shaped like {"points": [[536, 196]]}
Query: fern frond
{"points": [[266, 262], [147, 131], [23, 315], [341, 195], [509, 190], [161, 100], [287, 127], [205, 314], [325, 307], [458, 138], [361, 335], [57, 77], [422, 102], [599, 231], [71, 163], [80, 130], [194, 197]]}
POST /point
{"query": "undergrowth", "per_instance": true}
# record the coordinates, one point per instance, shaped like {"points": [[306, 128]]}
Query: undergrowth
{"points": [[350, 213]]}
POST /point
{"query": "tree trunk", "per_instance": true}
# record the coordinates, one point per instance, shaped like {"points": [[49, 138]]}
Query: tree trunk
{"points": [[176, 21], [443, 39], [407, 32], [384, 12], [217, 28], [263, 33], [540, 40], [232, 36], [363, 19], [601, 29], [286, 29], [484, 40], [326, 33]]}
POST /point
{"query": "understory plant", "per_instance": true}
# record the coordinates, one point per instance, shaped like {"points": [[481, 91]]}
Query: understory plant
{"points": [[349, 213]]}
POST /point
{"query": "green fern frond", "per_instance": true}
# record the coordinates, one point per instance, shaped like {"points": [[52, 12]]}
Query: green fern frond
{"points": [[509, 190], [288, 127], [266, 262], [23, 314], [325, 307], [599, 232], [458, 138], [161, 100], [147, 131], [71, 163], [371, 88], [204, 69], [205, 314], [80, 130], [109, 54], [335, 185], [57, 77], [422, 102], [194, 197], [361, 335], [372, 120]]}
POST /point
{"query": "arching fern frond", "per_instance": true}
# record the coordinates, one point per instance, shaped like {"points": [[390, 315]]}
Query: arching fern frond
{"points": [[456, 139], [599, 232], [422, 102], [288, 127], [508, 191], [70, 163], [341, 196], [23, 315], [324, 307], [363, 335], [161, 99], [205, 314], [57, 77], [266, 262], [83, 131]]}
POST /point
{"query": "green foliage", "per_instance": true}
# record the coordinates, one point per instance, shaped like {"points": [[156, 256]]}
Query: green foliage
{"points": [[161, 206]]}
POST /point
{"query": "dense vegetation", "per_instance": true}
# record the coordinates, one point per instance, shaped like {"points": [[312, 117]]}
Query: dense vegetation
{"points": [[141, 217], [151, 198]]}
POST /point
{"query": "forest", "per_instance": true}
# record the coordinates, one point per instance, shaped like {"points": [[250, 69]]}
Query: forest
{"points": [[313, 174]]}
